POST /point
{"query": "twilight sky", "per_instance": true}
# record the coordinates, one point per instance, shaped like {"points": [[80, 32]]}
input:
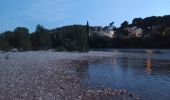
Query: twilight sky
{"points": [[57, 13]]}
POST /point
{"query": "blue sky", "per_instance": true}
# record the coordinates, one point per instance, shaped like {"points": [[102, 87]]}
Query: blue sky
{"points": [[57, 13]]}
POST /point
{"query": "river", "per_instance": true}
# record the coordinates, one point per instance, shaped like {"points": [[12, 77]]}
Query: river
{"points": [[147, 76]]}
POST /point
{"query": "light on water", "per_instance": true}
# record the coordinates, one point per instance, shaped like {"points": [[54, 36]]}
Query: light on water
{"points": [[146, 75], [149, 65]]}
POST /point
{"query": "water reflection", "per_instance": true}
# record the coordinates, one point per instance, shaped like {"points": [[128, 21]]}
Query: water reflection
{"points": [[149, 62], [131, 74], [149, 65]]}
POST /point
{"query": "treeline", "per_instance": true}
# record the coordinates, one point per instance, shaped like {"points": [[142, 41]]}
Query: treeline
{"points": [[160, 23], [70, 38], [156, 34]]}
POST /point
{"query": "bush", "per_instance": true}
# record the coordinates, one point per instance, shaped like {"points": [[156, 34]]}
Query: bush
{"points": [[4, 46]]}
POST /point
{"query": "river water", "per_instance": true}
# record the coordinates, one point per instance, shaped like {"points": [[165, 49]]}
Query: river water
{"points": [[148, 76]]}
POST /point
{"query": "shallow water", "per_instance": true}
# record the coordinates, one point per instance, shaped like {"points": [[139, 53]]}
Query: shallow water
{"points": [[147, 77]]}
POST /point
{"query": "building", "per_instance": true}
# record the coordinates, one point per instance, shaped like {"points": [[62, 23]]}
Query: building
{"points": [[100, 31], [137, 32], [108, 32], [134, 31]]}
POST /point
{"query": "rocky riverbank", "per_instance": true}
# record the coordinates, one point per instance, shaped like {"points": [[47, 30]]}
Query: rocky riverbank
{"points": [[46, 75]]}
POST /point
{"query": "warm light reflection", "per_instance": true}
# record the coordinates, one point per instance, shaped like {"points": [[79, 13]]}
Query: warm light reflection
{"points": [[149, 62], [149, 65]]}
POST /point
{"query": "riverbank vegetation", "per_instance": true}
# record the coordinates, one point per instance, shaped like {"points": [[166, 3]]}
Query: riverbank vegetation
{"points": [[155, 34], [70, 38]]}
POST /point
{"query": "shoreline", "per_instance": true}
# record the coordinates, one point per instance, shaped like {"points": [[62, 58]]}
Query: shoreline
{"points": [[49, 75]]}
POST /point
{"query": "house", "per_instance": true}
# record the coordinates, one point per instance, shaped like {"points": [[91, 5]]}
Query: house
{"points": [[134, 31], [108, 32], [137, 32], [97, 30], [100, 31]]}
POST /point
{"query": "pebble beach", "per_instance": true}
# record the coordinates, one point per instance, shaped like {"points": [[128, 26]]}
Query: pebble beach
{"points": [[47, 75]]}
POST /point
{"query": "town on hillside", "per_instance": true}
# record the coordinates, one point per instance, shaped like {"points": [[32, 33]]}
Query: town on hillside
{"points": [[139, 28]]}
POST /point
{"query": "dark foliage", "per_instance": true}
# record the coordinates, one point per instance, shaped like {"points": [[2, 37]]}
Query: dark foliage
{"points": [[4, 44], [69, 38], [156, 34], [72, 38], [41, 39], [22, 39]]}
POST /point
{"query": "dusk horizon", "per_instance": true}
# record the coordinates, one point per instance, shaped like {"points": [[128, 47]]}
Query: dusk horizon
{"points": [[84, 50]]}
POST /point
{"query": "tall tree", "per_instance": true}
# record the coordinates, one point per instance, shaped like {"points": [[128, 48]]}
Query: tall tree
{"points": [[41, 38], [22, 38], [87, 28], [88, 34]]}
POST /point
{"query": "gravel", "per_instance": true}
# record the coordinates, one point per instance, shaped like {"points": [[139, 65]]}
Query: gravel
{"points": [[46, 75]]}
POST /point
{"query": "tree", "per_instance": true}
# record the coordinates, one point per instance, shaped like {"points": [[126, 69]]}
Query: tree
{"points": [[4, 46], [137, 22], [111, 25], [88, 34], [41, 38], [9, 37], [124, 24], [21, 35], [87, 27]]}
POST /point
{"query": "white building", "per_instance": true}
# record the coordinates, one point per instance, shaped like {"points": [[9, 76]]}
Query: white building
{"points": [[134, 31], [102, 32], [108, 33], [137, 32]]}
